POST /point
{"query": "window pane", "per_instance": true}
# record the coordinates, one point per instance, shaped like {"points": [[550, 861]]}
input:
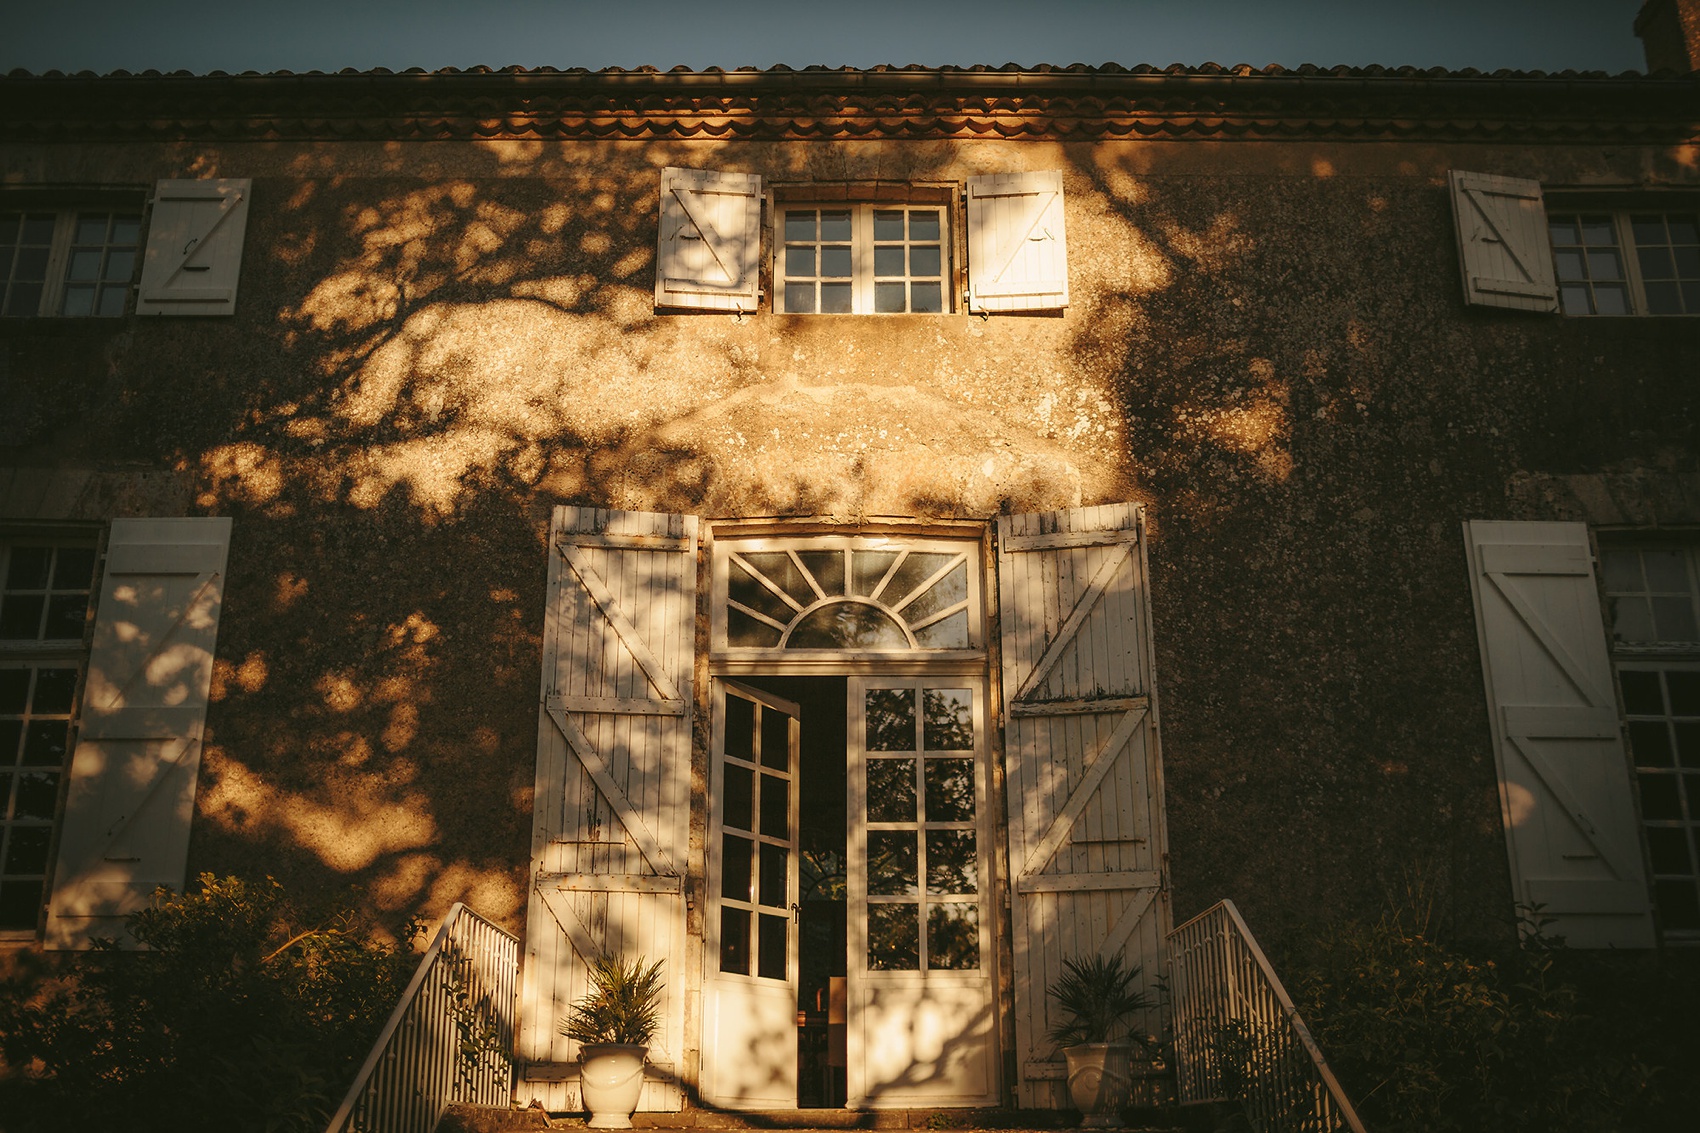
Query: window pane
{"points": [[949, 719], [924, 224], [827, 568], [53, 689], [924, 261], [835, 262], [31, 264], [775, 739], [1598, 231], [1667, 571], [1656, 263], [745, 587], [739, 784], [1677, 905], [951, 865], [1569, 265], [891, 790], [1648, 229], [924, 298], [37, 793], [735, 867], [20, 904], [799, 225], [1611, 300], [847, 625], [893, 868], [1604, 264], [1631, 619], [85, 264], [1663, 299], [777, 568], [868, 568], [915, 569], [1687, 262], [1683, 230], [1658, 797], [888, 261], [1577, 301], [773, 891], [14, 689], [11, 731], [894, 938], [740, 727], [126, 229], [1650, 742], [1669, 850], [835, 298], [1674, 619], [888, 224], [835, 226], [20, 617], [891, 719], [953, 936], [771, 950], [27, 568], [941, 595], [1641, 694], [799, 261], [799, 298], [79, 301], [1684, 693], [111, 303], [947, 633], [65, 617], [26, 850], [889, 298], [45, 742], [950, 790], [1621, 568], [775, 807], [735, 940], [741, 629], [91, 228], [1563, 230]]}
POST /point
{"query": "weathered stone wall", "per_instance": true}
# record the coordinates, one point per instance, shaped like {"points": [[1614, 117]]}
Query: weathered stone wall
{"points": [[1267, 346]]}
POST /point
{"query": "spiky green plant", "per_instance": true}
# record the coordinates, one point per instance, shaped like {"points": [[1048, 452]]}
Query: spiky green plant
{"points": [[624, 1004], [1097, 998]]}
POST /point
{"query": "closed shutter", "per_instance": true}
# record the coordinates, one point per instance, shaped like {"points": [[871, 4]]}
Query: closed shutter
{"points": [[1564, 781], [709, 253], [1017, 246], [132, 791], [194, 253], [1087, 847], [610, 824], [1502, 242]]}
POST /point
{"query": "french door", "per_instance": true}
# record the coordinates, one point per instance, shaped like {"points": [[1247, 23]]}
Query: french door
{"points": [[750, 987], [921, 995]]}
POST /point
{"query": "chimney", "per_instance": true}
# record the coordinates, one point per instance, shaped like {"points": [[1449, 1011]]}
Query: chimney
{"points": [[1670, 35]]}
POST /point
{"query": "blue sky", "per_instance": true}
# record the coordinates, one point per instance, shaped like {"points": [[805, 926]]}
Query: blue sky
{"points": [[239, 35]]}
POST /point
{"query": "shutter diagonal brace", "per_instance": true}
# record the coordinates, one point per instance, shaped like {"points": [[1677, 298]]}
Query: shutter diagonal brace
{"points": [[1096, 768], [1475, 195], [1100, 582], [193, 601], [1610, 853], [1042, 206], [711, 236], [593, 762], [227, 205], [604, 600], [1549, 641]]}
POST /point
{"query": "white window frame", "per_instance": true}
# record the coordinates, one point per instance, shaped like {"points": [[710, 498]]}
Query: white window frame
{"points": [[66, 213], [1621, 216], [49, 653], [862, 248], [1660, 655]]}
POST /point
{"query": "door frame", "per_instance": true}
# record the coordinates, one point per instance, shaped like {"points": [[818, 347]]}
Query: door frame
{"points": [[978, 663]]}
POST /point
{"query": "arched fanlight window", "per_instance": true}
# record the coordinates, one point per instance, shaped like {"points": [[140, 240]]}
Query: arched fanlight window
{"points": [[848, 593]]}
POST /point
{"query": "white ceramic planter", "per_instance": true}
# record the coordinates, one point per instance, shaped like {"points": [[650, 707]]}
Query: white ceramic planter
{"points": [[611, 1077], [1100, 1080]]}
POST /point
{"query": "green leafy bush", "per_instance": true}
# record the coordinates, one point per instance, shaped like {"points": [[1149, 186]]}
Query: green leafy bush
{"points": [[1431, 1036], [235, 1015]]}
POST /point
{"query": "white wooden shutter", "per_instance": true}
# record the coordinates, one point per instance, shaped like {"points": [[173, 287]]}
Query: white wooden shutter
{"points": [[1087, 847], [194, 252], [132, 790], [709, 253], [611, 818], [1017, 246], [1502, 242], [1564, 781]]}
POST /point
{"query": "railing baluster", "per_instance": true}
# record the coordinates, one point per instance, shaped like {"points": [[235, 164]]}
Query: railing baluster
{"points": [[1224, 986], [415, 1068]]}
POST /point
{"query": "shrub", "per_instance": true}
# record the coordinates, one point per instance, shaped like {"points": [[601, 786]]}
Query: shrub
{"points": [[1430, 1036], [234, 1010]]}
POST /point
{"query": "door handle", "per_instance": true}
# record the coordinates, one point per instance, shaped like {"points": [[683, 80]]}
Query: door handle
{"points": [[796, 912]]}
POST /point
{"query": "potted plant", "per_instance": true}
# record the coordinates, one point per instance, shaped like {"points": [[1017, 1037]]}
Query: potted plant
{"points": [[613, 1026], [1097, 999]]}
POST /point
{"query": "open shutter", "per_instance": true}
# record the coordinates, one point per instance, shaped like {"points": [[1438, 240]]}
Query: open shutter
{"points": [[610, 823], [1564, 781], [1017, 247], [710, 241], [132, 790], [1087, 846], [1502, 242], [194, 253]]}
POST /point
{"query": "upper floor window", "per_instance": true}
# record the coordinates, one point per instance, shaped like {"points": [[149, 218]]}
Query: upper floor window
{"points": [[70, 262], [863, 258], [1626, 263]]}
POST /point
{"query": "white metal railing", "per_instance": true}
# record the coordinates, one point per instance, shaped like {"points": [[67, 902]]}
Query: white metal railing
{"points": [[450, 1038], [1238, 1036]]}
